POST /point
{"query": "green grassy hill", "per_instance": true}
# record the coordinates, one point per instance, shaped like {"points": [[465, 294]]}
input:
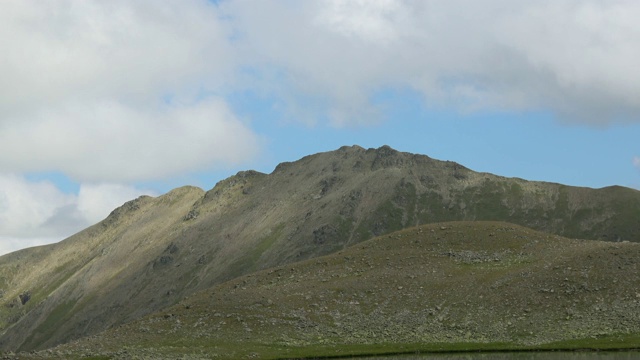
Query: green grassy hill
{"points": [[441, 287]]}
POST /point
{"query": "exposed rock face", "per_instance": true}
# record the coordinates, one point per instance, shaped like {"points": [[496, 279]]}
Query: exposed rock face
{"points": [[126, 266], [24, 297]]}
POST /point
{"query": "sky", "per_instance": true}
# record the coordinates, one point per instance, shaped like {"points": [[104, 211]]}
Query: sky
{"points": [[104, 101]]}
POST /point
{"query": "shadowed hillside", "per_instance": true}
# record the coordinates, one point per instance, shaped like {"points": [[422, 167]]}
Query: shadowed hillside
{"points": [[448, 286], [152, 252]]}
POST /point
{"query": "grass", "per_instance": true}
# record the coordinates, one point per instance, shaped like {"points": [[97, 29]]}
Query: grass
{"points": [[55, 279], [229, 350], [607, 342], [45, 329], [417, 290], [58, 277], [247, 262], [240, 349], [353, 350], [388, 217]]}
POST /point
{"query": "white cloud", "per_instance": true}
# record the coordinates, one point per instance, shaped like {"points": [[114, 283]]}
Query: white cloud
{"points": [[636, 161], [25, 206], [96, 201], [84, 82], [112, 91], [576, 58], [130, 51], [108, 141], [36, 212], [374, 21]]}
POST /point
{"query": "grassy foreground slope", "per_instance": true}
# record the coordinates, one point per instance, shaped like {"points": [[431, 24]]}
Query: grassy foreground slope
{"points": [[447, 286]]}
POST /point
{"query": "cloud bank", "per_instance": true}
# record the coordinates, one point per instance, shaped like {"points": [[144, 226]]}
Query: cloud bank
{"points": [[37, 212], [574, 58], [113, 91], [129, 91], [109, 141]]}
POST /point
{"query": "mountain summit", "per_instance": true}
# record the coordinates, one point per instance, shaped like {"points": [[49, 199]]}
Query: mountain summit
{"points": [[152, 252]]}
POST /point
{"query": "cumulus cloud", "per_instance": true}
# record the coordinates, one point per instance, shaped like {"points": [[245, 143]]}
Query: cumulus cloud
{"points": [[141, 86], [131, 51], [108, 141], [96, 201], [26, 206], [113, 91], [36, 212], [576, 58]]}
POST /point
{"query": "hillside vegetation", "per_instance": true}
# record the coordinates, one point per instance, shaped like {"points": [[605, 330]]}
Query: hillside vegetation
{"points": [[449, 286], [152, 252]]}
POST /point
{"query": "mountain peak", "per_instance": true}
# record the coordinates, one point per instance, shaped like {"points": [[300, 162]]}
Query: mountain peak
{"points": [[156, 251], [385, 150]]}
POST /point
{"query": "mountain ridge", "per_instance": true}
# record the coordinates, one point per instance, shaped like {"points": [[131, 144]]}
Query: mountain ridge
{"points": [[152, 252]]}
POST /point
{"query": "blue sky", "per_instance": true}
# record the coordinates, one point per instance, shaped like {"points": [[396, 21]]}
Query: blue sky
{"points": [[104, 101], [533, 145]]}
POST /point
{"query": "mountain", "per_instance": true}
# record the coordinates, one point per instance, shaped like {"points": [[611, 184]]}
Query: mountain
{"points": [[152, 252], [446, 286]]}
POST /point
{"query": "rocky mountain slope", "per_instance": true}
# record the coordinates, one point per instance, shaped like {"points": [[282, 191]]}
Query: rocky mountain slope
{"points": [[152, 252], [447, 286]]}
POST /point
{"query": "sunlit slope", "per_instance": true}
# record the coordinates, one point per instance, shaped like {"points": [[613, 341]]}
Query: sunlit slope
{"points": [[79, 284]]}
